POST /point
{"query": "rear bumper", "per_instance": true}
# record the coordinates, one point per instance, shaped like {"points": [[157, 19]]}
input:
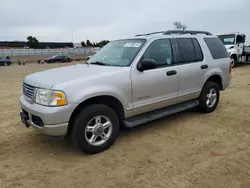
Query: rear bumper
{"points": [[227, 84]]}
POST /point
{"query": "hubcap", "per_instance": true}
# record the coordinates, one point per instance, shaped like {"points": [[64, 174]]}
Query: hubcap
{"points": [[233, 62], [211, 97], [98, 130]]}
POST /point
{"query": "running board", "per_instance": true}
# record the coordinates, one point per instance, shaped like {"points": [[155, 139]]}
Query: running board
{"points": [[160, 113]]}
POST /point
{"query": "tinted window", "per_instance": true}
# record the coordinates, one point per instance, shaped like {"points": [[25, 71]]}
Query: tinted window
{"points": [[186, 50], [197, 49], [161, 51], [216, 48]]}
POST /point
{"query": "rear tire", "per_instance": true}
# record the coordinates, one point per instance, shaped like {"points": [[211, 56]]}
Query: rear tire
{"points": [[209, 97], [90, 133]]}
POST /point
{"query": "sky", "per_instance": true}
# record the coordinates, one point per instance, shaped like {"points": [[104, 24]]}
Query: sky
{"points": [[78, 20]]}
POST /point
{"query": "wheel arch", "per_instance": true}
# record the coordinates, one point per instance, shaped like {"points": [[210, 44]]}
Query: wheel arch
{"points": [[108, 100], [217, 79], [234, 55]]}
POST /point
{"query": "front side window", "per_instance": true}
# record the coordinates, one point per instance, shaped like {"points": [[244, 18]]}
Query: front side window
{"points": [[161, 51], [118, 53]]}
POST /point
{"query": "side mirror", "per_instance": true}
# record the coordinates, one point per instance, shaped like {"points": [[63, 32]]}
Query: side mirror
{"points": [[146, 64], [240, 39], [244, 39]]}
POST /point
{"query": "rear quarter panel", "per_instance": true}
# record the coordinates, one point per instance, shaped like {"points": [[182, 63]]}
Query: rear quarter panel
{"points": [[218, 67]]}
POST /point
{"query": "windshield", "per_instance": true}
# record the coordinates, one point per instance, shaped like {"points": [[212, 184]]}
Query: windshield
{"points": [[118, 53], [227, 39]]}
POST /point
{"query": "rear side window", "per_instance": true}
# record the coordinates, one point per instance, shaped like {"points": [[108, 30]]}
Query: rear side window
{"points": [[197, 49], [216, 48], [186, 50]]}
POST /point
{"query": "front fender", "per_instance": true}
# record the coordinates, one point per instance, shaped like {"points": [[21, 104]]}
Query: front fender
{"points": [[96, 91], [233, 53]]}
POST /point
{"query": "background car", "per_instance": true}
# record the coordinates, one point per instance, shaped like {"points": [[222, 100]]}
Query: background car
{"points": [[4, 61], [58, 58]]}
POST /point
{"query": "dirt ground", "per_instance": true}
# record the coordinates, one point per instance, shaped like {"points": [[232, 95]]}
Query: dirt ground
{"points": [[186, 150]]}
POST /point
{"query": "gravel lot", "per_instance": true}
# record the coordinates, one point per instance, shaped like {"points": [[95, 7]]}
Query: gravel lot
{"points": [[186, 150]]}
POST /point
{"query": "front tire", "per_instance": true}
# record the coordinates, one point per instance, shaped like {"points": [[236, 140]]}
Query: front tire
{"points": [[95, 128], [234, 61], [209, 97]]}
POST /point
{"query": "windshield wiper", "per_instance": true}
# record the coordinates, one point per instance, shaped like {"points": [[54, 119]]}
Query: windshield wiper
{"points": [[98, 63]]}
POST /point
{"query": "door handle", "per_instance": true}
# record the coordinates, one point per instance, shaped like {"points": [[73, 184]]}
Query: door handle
{"points": [[204, 66], [172, 72]]}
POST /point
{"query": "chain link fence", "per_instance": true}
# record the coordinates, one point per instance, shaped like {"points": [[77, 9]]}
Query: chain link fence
{"points": [[18, 52]]}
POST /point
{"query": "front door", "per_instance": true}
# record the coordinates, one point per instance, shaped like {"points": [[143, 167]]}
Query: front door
{"points": [[155, 88]]}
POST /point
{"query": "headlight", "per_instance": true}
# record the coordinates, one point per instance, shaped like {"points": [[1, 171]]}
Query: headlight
{"points": [[50, 97]]}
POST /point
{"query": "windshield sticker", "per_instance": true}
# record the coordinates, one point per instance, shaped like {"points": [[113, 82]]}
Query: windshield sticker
{"points": [[133, 45]]}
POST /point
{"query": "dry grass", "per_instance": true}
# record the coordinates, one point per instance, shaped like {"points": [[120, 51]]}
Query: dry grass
{"points": [[185, 150]]}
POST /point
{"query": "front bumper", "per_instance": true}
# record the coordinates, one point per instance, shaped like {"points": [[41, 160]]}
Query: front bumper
{"points": [[52, 121]]}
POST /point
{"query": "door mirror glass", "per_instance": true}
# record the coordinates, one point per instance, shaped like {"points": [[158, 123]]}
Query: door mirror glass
{"points": [[146, 64]]}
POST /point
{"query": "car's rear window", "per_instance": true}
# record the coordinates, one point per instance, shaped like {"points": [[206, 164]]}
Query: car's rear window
{"points": [[216, 48]]}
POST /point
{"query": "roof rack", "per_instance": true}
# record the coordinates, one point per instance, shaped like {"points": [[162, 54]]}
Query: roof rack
{"points": [[169, 32], [158, 32]]}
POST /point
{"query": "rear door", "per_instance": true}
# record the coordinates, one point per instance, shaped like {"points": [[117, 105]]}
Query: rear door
{"points": [[192, 68]]}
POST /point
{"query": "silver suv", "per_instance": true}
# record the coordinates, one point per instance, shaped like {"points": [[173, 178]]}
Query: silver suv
{"points": [[127, 83]]}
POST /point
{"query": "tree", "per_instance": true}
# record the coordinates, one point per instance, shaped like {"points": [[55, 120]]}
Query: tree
{"points": [[83, 44], [95, 44], [103, 43], [180, 26], [32, 42], [88, 43], [35, 42]]}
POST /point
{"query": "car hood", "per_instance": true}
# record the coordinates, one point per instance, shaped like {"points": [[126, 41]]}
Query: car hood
{"points": [[47, 79], [229, 46]]}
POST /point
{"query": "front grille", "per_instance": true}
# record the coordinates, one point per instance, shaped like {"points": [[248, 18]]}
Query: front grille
{"points": [[28, 90]]}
